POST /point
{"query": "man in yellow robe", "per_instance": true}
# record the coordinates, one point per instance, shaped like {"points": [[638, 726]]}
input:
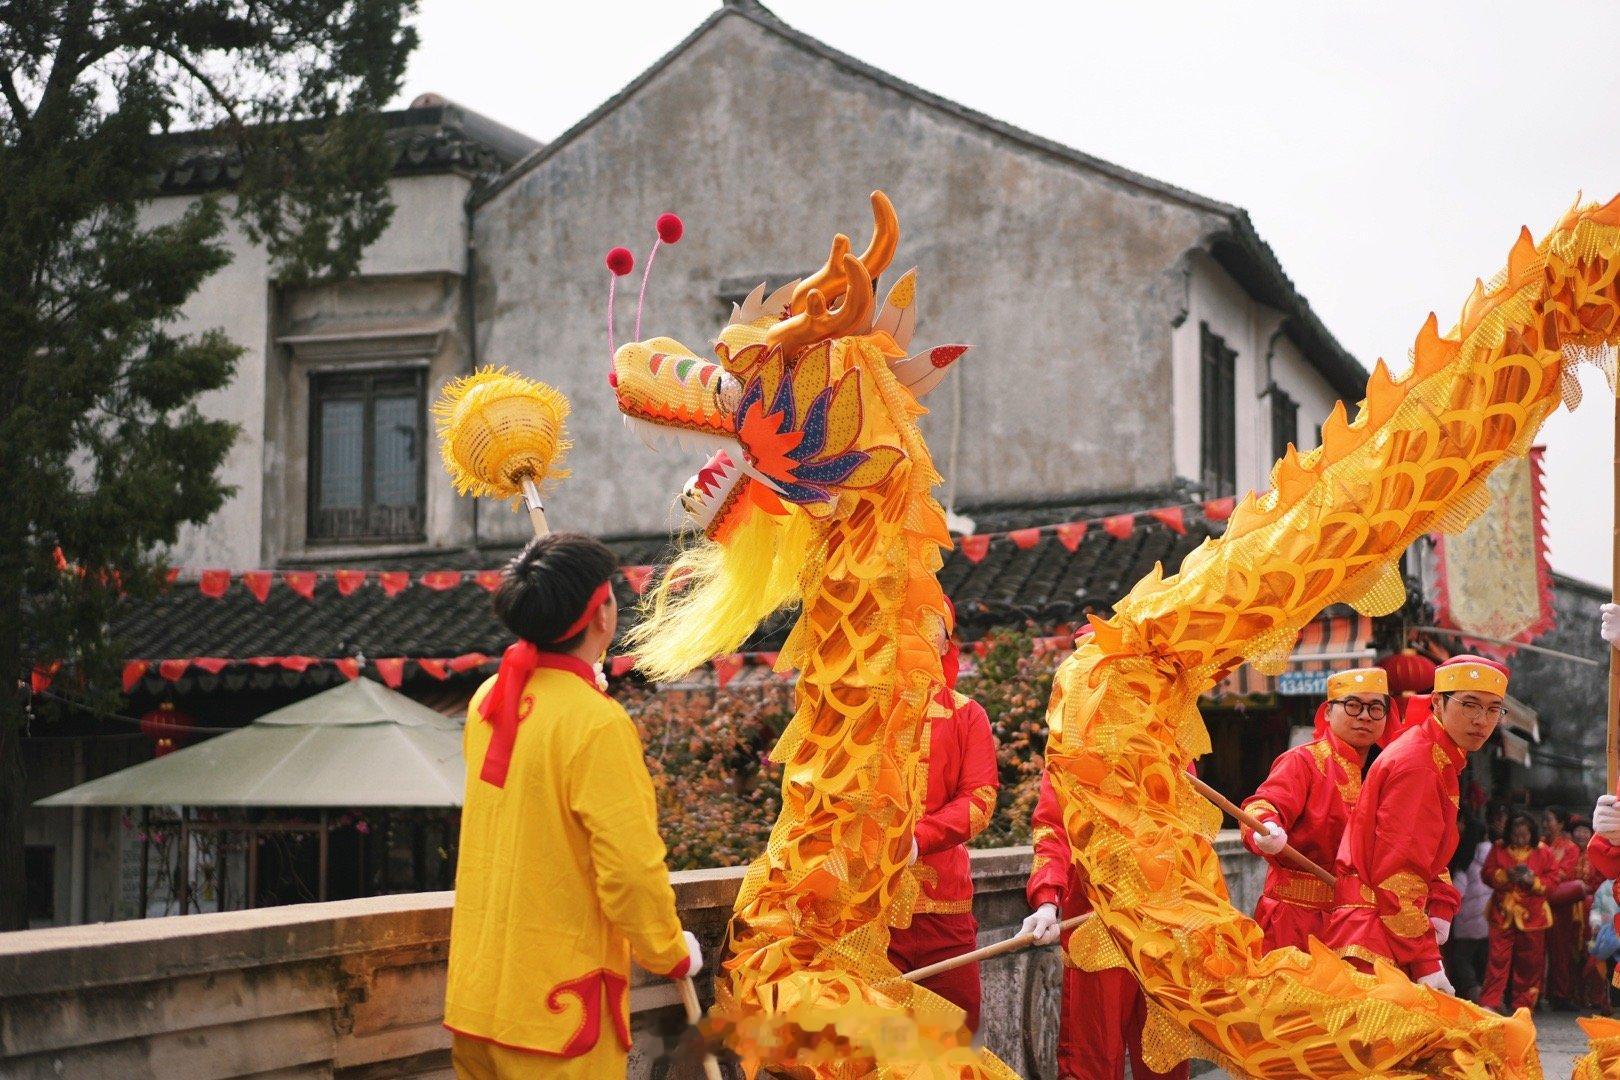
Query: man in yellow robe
{"points": [[561, 879]]}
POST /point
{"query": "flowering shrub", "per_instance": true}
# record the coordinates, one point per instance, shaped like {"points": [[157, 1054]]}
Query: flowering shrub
{"points": [[718, 793], [708, 752]]}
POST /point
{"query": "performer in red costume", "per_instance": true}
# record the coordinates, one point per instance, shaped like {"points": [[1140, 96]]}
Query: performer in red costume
{"points": [[1306, 802], [1102, 1012], [1395, 897], [1519, 871], [1568, 907], [959, 762]]}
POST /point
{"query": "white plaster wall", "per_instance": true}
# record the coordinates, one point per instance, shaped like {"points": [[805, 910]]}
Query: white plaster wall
{"points": [[428, 233], [1248, 328], [1063, 280]]}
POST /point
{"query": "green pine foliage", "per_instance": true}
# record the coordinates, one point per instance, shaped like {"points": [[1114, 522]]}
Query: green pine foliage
{"points": [[104, 452]]}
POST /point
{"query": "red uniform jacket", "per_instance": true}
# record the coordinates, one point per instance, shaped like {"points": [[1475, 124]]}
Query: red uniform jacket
{"points": [[1309, 794], [1604, 857], [1564, 862], [1515, 906], [959, 754], [1392, 860], [1053, 877]]}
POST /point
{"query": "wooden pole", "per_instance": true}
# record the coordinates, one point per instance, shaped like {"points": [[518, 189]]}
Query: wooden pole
{"points": [[694, 1015], [1614, 595], [1001, 948], [321, 873], [146, 853], [1258, 826], [537, 508]]}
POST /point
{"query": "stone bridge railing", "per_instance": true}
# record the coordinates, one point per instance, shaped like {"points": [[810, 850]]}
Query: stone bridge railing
{"points": [[354, 989]]}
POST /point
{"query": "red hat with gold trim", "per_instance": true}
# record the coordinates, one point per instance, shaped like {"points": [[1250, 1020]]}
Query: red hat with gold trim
{"points": [[1467, 672]]}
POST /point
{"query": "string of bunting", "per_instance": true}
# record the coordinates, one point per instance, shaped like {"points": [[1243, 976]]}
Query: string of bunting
{"points": [[216, 583], [391, 669]]}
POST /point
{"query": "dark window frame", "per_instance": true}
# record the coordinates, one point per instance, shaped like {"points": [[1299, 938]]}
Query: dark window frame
{"points": [[1284, 422], [1217, 414], [366, 386]]}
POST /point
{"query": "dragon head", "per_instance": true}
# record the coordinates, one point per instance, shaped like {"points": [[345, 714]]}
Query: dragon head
{"points": [[808, 412]]}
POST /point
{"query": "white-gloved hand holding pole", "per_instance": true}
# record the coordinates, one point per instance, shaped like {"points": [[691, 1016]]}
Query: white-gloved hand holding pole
{"points": [[1610, 628], [1436, 980], [695, 951], [1043, 924], [1442, 929], [1273, 840], [1606, 818]]}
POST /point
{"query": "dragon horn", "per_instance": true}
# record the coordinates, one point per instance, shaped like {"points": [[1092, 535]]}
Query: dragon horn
{"points": [[817, 322]]}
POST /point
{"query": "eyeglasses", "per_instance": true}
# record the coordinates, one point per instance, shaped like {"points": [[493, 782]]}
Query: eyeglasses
{"points": [[1354, 707], [1474, 710]]}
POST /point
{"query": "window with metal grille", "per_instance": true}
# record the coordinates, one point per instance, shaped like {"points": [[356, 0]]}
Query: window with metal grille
{"points": [[366, 456], [1284, 423], [1217, 414]]}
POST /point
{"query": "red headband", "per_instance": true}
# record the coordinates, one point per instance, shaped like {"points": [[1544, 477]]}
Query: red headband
{"points": [[598, 598]]}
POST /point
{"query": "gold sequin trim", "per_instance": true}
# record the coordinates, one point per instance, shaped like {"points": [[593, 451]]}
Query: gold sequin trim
{"points": [[926, 905], [981, 804], [1302, 890], [1410, 891]]}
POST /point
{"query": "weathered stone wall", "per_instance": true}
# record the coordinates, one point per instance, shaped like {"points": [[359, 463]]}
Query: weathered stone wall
{"points": [[354, 989], [1065, 280]]}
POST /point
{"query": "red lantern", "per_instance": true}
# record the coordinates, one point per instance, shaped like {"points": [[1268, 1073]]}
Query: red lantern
{"points": [[1410, 672], [167, 728]]}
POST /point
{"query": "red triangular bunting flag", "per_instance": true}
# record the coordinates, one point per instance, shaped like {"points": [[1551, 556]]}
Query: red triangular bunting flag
{"points": [[264, 661], [214, 582], [435, 668], [299, 664], [1025, 539], [348, 581], [257, 582], [769, 659], [637, 576], [392, 670], [468, 661], [1171, 518], [620, 665], [1220, 509], [40, 678], [133, 670], [301, 582], [975, 547], [171, 575], [393, 581], [1071, 533], [348, 665], [1119, 526], [726, 668], [441, 579], [173, 669], [211, 664], [488, 580]]}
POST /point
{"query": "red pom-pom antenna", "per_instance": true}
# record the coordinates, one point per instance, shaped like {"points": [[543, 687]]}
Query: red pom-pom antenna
{"points": [[670, 228], [621, 262]]}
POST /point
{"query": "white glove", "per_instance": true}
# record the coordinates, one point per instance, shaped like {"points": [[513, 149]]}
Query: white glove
{"points": [[1442, 929], [1436, 980], [601, 678], [1272, 840], [913, 860], [1610, 628], [1606, 818], [1595, 921], [695, 951], [1043, 923]]}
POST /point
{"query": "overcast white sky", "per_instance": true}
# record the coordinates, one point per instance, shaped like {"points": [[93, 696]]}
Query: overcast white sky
{"points": [[1388, 151]]}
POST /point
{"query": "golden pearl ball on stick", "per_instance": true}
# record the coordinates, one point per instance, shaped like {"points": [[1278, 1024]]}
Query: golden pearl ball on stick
{"points": [[503, 436]]}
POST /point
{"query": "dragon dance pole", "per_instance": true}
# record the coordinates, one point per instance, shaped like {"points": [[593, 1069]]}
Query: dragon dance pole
{"points": [[1614, 594], [1015, 943], [1254, 824]]}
